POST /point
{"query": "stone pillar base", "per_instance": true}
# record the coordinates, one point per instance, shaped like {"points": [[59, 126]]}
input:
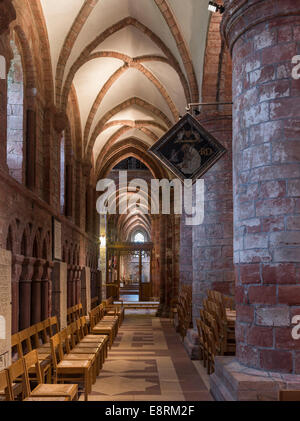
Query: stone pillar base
{"points": [[233, 381], [191, 344]]}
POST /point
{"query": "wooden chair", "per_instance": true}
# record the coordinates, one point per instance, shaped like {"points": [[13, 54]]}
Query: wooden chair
{"points": [[113, 309], [210, 321], [5, 386], [69, 391], [85, 337], [75, 347], [91, 354], [209, 346], [202, 351], [227, 334], [184, 310], [102, 327], [24, 341], [67, 370], [16, 373]]}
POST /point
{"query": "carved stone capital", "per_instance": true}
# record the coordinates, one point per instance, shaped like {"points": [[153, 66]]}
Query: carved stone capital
{"points": [[38, 269], [17, 262], [240, 16], [28, 268], [48, 267]]}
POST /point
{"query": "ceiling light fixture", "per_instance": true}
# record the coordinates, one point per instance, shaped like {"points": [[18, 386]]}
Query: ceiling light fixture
{"points": [[215, 7]]}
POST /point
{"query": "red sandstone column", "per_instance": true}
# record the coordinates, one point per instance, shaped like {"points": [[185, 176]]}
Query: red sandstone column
{"points": [[46, 291], [17, 261], [78, 285], [36, 302], [162, 262], [263, 37], [70, 287], [169, 264], [74, 285], [25, 293], [213, 240], [176, 248], [185, 252]]}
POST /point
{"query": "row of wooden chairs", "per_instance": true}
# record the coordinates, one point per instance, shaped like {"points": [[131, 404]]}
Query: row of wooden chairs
{"points": [[72, 351], [102, 324], [184, 310], [36, 337], [215, 328], [19, 372], [112, 309], [77, 355]]}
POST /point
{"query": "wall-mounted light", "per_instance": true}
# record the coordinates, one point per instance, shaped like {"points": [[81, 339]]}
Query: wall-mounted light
{"points": [[215, 7], [102, 241]]}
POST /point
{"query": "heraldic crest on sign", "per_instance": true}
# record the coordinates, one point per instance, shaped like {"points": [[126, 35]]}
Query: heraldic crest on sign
{"points": [[187, 149]]}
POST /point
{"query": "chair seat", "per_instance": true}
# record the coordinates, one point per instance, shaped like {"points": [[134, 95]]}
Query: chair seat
{"points": [[102, 329], [68, 364], [105, 324], [79, 356], [47, 398], [92, 339], [81, 349], [69, 390]]}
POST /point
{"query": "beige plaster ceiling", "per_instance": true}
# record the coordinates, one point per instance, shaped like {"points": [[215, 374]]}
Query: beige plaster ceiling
{"points": [[160, 43]]}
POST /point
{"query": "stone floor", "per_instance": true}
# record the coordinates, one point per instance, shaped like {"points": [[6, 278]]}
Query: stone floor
{"points": [[148, 362]]}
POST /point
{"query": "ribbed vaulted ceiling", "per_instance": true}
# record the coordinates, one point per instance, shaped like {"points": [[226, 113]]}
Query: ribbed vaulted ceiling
{"points": [[134, 64]]}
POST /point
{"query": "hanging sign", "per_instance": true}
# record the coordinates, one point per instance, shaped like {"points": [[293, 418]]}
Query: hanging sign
{"points": [[187, 149]]}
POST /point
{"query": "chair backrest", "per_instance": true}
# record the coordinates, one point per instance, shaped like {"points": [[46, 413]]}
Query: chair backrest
{"points": [[41, 330], [53, 325], [15, 370], [33, 337], [84, 326], [56, 349], [4, 385], [80, 310], [71, 330], [32, 359], [15, 344], [64, 337], [199, 329], [92, 315], [25, 342], [80, 333]]}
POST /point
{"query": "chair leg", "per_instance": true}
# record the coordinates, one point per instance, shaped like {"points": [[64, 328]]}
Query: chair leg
{"points": [[86, 384]]}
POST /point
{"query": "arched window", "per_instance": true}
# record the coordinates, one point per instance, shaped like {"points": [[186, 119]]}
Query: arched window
{"points": [[15, 115], [139, 238], [62, 174]]}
